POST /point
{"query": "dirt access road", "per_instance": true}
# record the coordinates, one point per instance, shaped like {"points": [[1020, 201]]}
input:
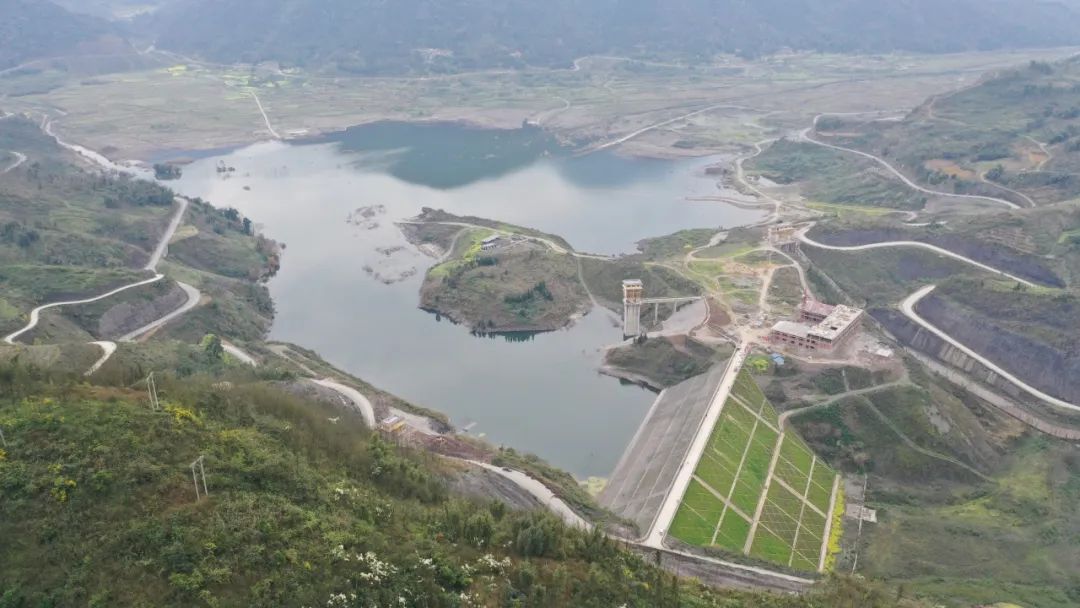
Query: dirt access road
{"points": [[805, 136], [159, 252]]}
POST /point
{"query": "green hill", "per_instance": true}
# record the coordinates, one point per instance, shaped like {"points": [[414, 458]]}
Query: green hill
{"points": [[35, 29], [306, 508], [1015, 135], [68, 233]]}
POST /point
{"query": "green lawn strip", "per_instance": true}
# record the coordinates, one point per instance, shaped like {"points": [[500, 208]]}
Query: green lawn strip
{"points": [[732, 532], [730, 433], [789, 473], [754, 470], [746, 495], [734, 410], [697, 516], [715, 474], [796, 452], [746, 389], [811, 531], [760, 454], [783, 502], [821, 487], [800, 562], [770, 547], [768, 413]]}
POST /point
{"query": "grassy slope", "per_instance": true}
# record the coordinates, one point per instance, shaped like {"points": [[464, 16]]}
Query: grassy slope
{"points": [[738, 441], [998, 122], [97, 490], [946, 533], [666, 361], [885, 276], [831, 176], [515, 287], [67, 234], [605, 280]]}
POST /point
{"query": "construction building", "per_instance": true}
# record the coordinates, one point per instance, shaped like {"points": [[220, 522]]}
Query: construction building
{"points": [[821, 327]]}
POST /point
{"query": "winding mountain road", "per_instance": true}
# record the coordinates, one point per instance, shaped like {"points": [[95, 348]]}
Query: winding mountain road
{"points": [[35, 314], [909, 304], [805, 136], [235, 352], [163, 244], [908, 308], [664, 123], [193, 297], [359, 400], [159, 252], [107, 350], [916, 244]]}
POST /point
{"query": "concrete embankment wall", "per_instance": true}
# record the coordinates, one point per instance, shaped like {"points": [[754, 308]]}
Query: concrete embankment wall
{"points": [[915, 336], [644, 475], [1040, 365]]}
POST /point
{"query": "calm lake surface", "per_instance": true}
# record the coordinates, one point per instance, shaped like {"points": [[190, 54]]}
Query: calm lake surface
{"points": [[543, 395]]}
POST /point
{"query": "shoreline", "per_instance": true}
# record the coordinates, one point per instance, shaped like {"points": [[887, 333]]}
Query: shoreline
{"points": [[171, 154]]}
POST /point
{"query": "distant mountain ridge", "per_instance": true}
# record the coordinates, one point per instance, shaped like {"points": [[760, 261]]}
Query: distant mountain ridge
{"points": [[36, 29], [370, 36]]}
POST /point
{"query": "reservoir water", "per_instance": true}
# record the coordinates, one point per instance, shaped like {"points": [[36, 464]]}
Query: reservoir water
{"points": [[348, 286]]}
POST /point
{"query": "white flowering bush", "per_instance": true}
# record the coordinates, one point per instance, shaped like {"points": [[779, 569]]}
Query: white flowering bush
{"points": [[373, 570], [489, 564]]}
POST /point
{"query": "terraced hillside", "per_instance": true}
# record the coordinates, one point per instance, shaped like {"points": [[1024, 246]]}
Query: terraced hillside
{"points": [[758, 490]]}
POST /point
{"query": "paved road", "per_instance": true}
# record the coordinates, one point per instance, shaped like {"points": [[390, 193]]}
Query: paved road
{"points": [[353, 395], [239, 354], [20, 158], [656, 535], [539, 491], [889, 244], [784, 417], [92, 156], [107, 350], [193, 297], [805, 136], [908, 308], [557, 248], [266, 118], [35, 315], [163, 245], [996, 399], [151, 265], [642, 131]]}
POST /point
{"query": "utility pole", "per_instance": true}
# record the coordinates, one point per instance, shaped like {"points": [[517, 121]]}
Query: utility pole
{"points": [[195, 477], [151, 389]]}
